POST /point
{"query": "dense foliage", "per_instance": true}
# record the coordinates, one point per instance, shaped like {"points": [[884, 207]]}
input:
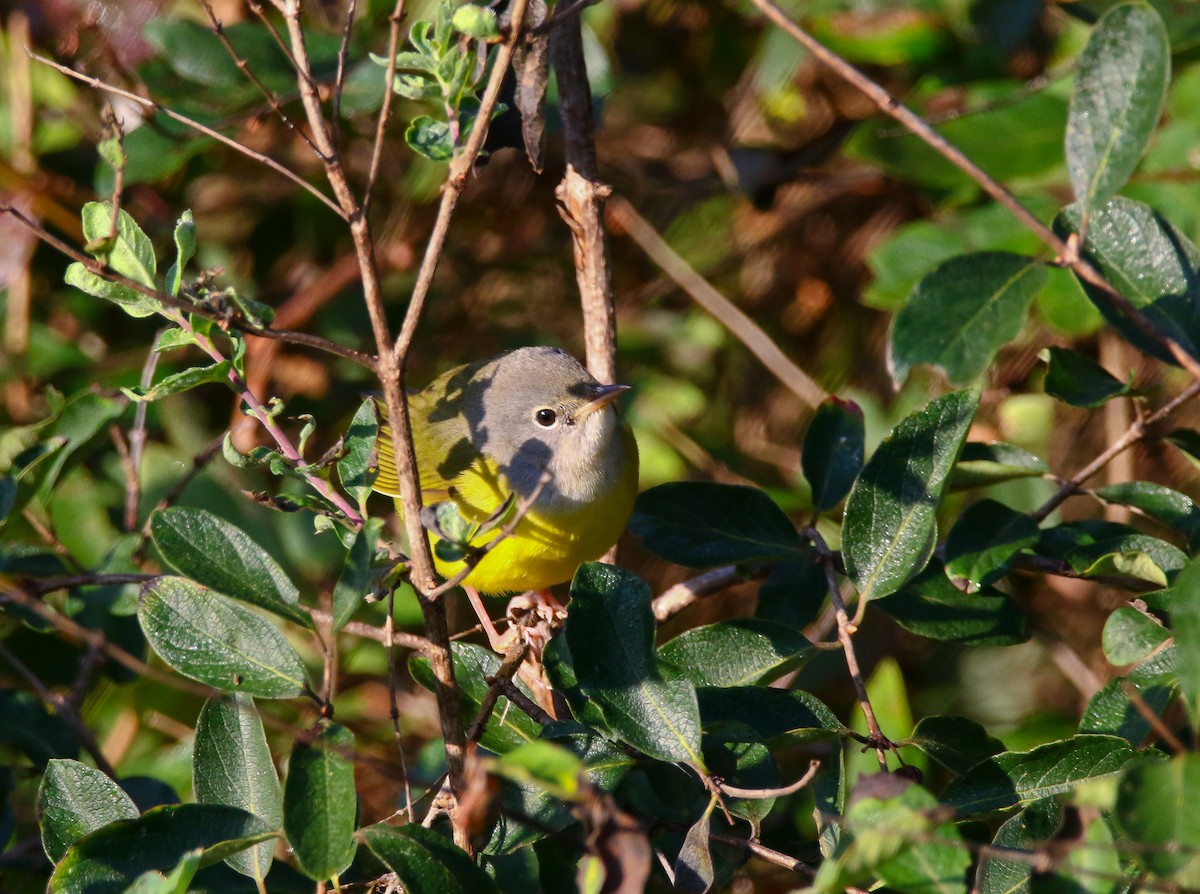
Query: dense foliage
{"points": [[939, 620]]}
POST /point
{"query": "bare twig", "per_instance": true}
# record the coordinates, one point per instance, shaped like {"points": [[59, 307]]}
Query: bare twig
{"points": [[389, 636], [878, 740], [1067, 253], [678, 597], [339, 81], [726, 312], [761, 794], [98, 84], [376, 634], [504, 674]]}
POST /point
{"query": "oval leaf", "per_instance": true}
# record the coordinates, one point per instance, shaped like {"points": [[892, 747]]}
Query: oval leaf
{"points": [[210, 638], [425, 861], [1120, 88], [962, 313], [701, 523], [1157, 806], [1080, 381], [740, 652], [231, 764], [110, 859], [610, 632], [75, 799], [931, 606], [984, 542], [1156, 500], [890, 525], [981, 465], [1013, 778], [832, 455], [320, 804], [213, 552]]}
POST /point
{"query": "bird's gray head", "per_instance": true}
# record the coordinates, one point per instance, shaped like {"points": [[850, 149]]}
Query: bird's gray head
{"points": [[542, 411]]}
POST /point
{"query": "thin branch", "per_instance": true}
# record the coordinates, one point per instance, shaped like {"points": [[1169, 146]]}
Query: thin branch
{"points": [[389, 635], [678, 597], [98, 84], [272, 100], [339, 81], [1066, 251], [761, 794], [98, 268], [726, 312], [496, 683], [376, 634], [878, 740]]}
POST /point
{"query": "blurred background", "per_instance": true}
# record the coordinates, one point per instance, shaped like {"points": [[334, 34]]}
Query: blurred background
{"points": [[770, 177]]}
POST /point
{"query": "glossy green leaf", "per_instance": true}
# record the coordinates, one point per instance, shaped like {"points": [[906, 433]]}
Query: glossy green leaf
{"points": [[177, 383], [1156, 267], [320, 804], [210, 638], [832, 455], [430, 137], [130, 300], [777, 715], [110, 859], [985, 540], [890, 525], [359, 467], [610, 632], [1156, 500], [1013, 778], [218, 554], [1120, 87], [231, 765], [176, 881], [1112, 711], [425, 861], [1131, 635], [544, 763], [931, 606], [1080, 381], [962, 313], [1037, 823], [702, 523], [1083, 544], [358, 573], [981, 465], [738, 652], [737, 754], [75, 799], [129, 251], [1185, 618], [1158, 809], [694, 870], [957, 743], [793, 593]]}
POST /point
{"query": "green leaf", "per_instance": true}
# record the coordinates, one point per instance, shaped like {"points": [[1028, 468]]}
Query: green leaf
{"points": [[26, 724], [1080, 381], [702, 523], [429, 137], [832, 455], [1016, 778], [610, 632], [550, 766], [218, 554], [1037, 823], [694, 869], [359, 467], [957, 743], [172, 339], [1156, 500], [132, 302], [1092, 866], [777, 715], [176, 383], [890, 524], [962, 313], [75, 799], [1185, 618], [110, 859], [231, 765], [128, 252], [737, 754], [981, 465], [793, 593], [425, 861], [739, 652], [320, 804], [358, 574], [1147, 260], [185, 248], [1111, 710], [1131, 635], [1158, 809], [210, 638], [176, 881], [985, 540], [1120, 88]]}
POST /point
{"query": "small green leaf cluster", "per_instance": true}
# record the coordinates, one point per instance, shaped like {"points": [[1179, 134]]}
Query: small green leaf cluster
{"points": [[447, 66]]}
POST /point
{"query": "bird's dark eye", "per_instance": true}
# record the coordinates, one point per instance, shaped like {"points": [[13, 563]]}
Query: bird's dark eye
{"points": [[545, 417]]}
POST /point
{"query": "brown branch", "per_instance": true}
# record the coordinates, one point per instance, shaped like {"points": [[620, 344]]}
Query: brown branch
{"points": [[98, 84], [496, 683], [678, 597], [1066, 252], [761, 794], [725, 311]]}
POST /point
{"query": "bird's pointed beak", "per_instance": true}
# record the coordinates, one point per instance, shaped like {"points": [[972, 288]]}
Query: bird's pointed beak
{"points": [[601, 397]]}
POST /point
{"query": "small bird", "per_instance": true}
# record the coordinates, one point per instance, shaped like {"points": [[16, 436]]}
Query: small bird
{"points": [[532, 428]]}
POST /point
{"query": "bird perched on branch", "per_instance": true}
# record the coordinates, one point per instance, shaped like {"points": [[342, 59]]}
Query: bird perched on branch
{"points": [[526, 449]]}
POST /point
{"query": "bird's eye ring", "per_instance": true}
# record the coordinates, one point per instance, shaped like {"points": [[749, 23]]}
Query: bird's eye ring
{"points": [[545, 417]]}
